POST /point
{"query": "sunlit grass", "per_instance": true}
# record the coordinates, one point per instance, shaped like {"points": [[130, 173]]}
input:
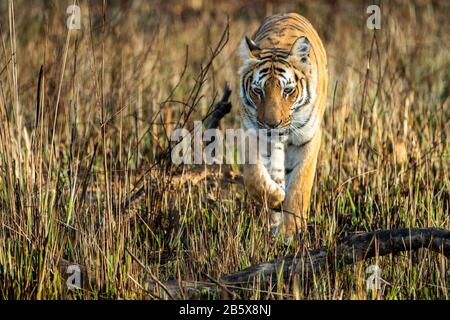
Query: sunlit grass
{"points": [[384, 161]]}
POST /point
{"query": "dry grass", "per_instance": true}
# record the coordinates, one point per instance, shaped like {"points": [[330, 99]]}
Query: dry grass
{"points": [[74, 149]]}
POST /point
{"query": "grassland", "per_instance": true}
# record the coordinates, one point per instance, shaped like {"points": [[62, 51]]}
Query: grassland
{"points": [[79, 140]]}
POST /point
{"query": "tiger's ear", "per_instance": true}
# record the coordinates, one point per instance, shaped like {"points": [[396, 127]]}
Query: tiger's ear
{"points": [[301, 49], [248, 49]]}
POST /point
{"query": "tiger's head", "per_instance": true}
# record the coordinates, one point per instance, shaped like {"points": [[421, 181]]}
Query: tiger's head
{"points": [[277, 86]]}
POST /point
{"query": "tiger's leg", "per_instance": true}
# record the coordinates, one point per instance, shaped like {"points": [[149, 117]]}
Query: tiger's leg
{"points": [[276, 163], [300, 168], [258, 177], [260, 185], [277, 173]]}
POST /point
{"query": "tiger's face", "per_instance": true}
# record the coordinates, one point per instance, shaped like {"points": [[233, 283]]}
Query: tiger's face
{"points": [[276, 86], [273, 90]]}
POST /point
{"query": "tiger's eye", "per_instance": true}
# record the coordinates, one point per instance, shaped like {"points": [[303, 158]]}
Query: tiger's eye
{"points": [[257, 90], [288, 90]]}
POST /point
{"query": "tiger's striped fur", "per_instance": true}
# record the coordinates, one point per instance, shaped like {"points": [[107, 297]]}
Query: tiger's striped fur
{"points": [[283, 87]]}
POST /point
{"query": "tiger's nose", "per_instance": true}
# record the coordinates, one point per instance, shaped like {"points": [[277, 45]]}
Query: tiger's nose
{"points": [[273, 124]]}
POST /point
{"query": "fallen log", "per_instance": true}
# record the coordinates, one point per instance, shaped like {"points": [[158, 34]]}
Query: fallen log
{"points": [[349, 250]]}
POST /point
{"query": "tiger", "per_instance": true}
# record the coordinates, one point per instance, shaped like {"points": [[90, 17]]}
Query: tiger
{"points": [[283, 89]]}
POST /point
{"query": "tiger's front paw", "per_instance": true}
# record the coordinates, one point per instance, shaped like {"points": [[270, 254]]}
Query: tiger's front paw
{"points": [[275, 196], [262, 188]]}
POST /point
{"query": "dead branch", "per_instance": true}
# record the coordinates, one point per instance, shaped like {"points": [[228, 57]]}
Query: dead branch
{"points": [[221, 109], [309, 262]]}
